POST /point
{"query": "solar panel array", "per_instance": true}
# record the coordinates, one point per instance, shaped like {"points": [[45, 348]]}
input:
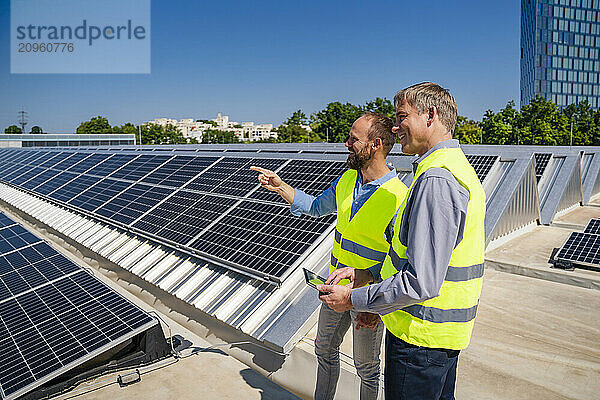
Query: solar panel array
{"points": [[541, 162], [593, 226], [482, 164], [54, 315], [201, 204]]}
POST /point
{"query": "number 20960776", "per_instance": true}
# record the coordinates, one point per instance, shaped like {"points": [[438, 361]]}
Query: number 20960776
{"points": [[50, 47]]}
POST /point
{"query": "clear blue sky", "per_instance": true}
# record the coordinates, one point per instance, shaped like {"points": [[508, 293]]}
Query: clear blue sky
{"points": [[260, 61]]}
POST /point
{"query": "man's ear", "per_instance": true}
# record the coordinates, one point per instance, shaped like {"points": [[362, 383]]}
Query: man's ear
{"points": [[377, 143], [431, 113]]}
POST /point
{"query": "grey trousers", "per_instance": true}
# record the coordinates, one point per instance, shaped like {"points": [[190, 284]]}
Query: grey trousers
{"points": [[331, 329]]}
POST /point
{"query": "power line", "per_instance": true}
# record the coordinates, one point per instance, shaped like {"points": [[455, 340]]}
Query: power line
{"points": [[22, 119]]}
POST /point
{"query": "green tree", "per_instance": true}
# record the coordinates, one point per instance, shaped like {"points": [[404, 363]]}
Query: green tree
{"points": [[292, 130], [129, 129], [216, 136], [503, 127], [13, 129], [467, 131], [541, 122], [582, 116], [36, 130], [157, 134], [381, 106], [337, 119], [96, 126]]}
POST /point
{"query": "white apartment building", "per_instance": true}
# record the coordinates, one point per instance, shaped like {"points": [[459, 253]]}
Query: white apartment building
{"points": [[246, 131]]}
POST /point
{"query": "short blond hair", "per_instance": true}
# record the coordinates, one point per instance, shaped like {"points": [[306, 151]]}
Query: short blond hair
{"points": [[426, 94]]}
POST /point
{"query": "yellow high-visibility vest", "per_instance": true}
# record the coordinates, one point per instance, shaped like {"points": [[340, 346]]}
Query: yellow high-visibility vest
{"points": [[360, 242], [445, 321]]}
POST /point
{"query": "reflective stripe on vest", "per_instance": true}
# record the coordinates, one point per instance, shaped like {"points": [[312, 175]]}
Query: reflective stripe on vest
{"points": [[445, 321], [453, 274], [360, 242]]}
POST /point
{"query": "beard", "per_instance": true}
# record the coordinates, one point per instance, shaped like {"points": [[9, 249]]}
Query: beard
{"points": [[359, 160]]}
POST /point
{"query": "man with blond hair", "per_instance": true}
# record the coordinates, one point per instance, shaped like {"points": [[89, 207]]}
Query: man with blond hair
{"points": [[432, 275]]}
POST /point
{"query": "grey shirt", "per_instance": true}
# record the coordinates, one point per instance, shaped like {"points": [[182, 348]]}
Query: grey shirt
{"points": [[432, 225]]}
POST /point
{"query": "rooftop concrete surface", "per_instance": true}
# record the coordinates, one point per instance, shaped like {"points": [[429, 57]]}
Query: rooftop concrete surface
{"points": [[578, 218], [529, 253]]}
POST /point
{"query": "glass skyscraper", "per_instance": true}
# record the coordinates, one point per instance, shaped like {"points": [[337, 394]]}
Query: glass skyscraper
{"points": [[560, 51]]}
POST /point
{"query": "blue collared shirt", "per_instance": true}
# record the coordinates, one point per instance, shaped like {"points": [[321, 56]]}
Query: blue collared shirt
{"points": [[326, 203]]}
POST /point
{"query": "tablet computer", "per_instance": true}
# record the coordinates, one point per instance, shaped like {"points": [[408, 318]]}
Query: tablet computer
{"points": [[313, 279]]}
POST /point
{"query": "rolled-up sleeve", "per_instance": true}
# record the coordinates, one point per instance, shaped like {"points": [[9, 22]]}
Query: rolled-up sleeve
{"points": [[323, 204], [432, 225]]}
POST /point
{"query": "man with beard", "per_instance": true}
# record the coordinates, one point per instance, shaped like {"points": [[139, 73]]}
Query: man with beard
{"points": [[365, 198]]}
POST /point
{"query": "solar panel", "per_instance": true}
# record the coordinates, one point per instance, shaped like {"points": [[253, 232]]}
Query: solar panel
{"points": [[54, 316], [481, 164], [88, 163], [581, 248], [262, 237], [110, 165], [184, 215], [44, 156], [28, 157], [55, 183], [219, 172], [73, 188], [139, 167], [133, 202], [99, 194], [15, 237], [310, 176], [179, 171], [593, 226], [68, 162], [541, 162], [55, 160], [17, 172], [40, 179], [31, 172], [5, 221], [8, 169], [243, 180]]}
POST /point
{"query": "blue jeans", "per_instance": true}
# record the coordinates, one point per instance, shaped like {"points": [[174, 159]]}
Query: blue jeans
{"points": [[419, 373], [366, 348]]}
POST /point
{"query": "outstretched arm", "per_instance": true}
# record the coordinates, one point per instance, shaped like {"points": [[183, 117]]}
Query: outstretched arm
{"points": [[271, 181]]}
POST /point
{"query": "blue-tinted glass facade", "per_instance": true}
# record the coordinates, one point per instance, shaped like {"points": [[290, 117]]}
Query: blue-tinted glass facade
{"points": [[560, 51]]}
